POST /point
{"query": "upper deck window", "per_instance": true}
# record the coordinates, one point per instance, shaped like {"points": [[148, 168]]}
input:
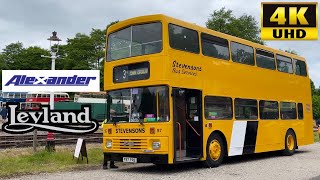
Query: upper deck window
{"points": [[215, 46], [184, 39], [135, 40], [242, 53], [300, 67], [284, 64], [265, 59]]}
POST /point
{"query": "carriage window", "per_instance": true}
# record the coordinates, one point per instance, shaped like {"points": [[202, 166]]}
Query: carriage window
{"points": [[183, 38], [284, 64], [300, 67], [300, 111], [288, 110], [218, 107], [246, 109], [242, 53], [265, 59], [215, 47], [269, 110]]}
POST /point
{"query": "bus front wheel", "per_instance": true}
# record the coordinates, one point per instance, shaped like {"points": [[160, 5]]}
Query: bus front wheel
{"points": [[290, 143], [215, 151]]}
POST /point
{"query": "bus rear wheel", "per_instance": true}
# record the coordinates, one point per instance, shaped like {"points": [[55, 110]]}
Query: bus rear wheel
{"points": [[290, 143], [215, 151]]}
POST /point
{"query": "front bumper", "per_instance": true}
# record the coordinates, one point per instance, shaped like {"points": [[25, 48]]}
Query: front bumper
{"points": [[141, 158]]}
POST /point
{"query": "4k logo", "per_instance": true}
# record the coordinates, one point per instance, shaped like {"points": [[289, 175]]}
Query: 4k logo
{"points": [[289, 21]]}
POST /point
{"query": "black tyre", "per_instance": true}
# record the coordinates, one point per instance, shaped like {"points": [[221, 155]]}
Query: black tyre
{"points": [[215, 151], [290, 143]]}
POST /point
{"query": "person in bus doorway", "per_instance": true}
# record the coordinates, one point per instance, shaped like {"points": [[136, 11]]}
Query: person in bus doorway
{"points": [[4, 113]]}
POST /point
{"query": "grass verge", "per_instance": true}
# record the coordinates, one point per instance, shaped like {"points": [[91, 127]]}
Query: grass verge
{"points": [[21, 161]]}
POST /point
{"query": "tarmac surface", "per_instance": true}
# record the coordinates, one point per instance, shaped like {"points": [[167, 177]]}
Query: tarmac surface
{"points": [[305, 164]]}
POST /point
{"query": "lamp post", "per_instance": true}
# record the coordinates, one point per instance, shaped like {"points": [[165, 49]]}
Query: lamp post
{"points": [[55, 40]]}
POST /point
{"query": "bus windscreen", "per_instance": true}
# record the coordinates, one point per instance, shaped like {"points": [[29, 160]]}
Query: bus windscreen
{"points": [[135, 40]]}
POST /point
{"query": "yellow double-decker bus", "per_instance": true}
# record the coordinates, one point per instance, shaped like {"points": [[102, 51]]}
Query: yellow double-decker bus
{"points": [[186, 93]]}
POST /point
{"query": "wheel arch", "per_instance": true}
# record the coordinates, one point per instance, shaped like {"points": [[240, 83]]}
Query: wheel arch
{"points": [[223, 137], [295, 136]]}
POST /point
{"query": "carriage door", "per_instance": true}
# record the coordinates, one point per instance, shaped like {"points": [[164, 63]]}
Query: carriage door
{"points": [[188, 122]]}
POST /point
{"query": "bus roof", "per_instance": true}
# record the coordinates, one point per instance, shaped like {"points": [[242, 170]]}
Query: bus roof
{"points": [[46, 93], [161, 17]]}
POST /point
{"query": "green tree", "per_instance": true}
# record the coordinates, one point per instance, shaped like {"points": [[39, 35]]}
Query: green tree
{"points": [[30, 58], [316, 107], [2, 67], [245, 26], [81, 52], [313, 88], [11, 53], [102, 37], [15, 56]]}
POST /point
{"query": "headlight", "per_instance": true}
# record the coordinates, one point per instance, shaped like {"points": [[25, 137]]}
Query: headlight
{"points": [[109, 144], [156, 145]]}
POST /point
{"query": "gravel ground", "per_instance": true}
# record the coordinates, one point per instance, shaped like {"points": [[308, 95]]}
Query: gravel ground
{"points": [[304, 164]]}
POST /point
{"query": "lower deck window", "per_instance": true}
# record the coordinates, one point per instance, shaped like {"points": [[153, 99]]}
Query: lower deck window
{"points": [[300, 111], [218, 107], [268, 110], [246, 109], [288, 110]]}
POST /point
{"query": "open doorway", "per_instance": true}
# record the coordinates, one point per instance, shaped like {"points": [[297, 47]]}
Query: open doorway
{"points": [[187, 112]]}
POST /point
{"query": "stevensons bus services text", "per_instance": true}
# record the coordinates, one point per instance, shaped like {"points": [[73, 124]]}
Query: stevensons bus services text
{"points": [[185, 68]]}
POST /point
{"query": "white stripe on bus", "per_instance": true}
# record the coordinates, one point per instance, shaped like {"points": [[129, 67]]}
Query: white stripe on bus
{"points": [[237, 138]]}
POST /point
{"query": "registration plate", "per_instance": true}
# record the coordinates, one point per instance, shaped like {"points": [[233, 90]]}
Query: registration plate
{"points": [[129, 159]]}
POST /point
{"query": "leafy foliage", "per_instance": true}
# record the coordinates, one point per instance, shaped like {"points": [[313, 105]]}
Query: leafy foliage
{"points": [[245, 26], [315, 101], [316, 107], [82, 52]]}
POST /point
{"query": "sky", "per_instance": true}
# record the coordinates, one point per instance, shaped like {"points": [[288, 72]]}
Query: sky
{"points": [[32, 21]]}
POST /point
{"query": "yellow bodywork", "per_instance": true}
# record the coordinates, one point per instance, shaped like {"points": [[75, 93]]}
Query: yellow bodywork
{"points": [[216, 78]]}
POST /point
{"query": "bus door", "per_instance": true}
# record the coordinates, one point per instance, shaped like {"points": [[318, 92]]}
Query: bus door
{"points": [[188, 122]]}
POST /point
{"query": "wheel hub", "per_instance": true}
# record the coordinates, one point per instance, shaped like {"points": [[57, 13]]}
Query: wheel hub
{"points": [[215, 150], [290, 142]]}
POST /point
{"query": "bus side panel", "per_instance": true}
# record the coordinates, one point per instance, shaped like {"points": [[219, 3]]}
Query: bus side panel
{"points": [[224, 126], [298, 128], [308, 125], [268, 136]]}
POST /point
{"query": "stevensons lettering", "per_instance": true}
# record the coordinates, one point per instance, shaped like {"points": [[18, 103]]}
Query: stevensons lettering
{"points": [[130, 130], [60, 121], [186, 69]]}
